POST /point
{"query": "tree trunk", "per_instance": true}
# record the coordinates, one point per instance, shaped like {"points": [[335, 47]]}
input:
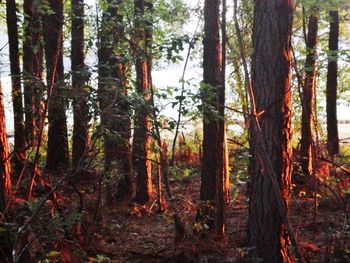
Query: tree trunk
{"points": [[19, 148], [332, 83], [80, 94], [57, 146], [5, 166], [222, 179], [32, 70], [28, 77], [211, 85], [306, 143], [141, 140], [38, 67], [114, 104], [271, 79]]}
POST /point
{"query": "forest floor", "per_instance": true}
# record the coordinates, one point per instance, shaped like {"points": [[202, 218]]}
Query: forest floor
{"points": [[126, 232]]}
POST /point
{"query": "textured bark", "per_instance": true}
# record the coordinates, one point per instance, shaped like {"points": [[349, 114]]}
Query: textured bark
{"points": [[80, 108], [306, 143], [32, 70], [5, 166], [271, 63], [19, 148], [141, 139], [212, 82], [57, 146], [332, 83], [113, 99]]}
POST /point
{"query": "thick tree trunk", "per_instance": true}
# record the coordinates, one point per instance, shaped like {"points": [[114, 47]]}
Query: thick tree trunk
{"points": [[141, 140], [306, 143], [332, 83], [5, 166], [80, 94], [114, 105], [19, 148], [271, 63], [57, 146], [211, 86]]}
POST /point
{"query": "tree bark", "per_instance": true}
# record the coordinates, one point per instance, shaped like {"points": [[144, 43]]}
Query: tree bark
{"points": [[57, 146], [271, 79], [19, 148], [5, 166], [114, 105], [308, 97], [210, 92], [141, 139], [332, 83], [80, 93], [222, 176]]}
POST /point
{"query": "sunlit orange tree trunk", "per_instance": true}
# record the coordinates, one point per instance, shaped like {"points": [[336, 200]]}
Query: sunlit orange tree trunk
{"points": [[19, 148], [5, 167], [80, 94], [308, 96], [114, 104], [141, 139], [271, 83], [57, 146], [332, 83]]}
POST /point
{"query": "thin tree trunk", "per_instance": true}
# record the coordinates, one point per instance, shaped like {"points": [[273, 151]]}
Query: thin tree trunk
{"points": [[271, 132], [181, 101], [28, 76], [306, 143], [80, 108], [332, 83], [19, 148], [57, 146], [241, 92], [227, 170], [163, 162], [222, 178], [141, 140], [38, 68], [5, 166]]}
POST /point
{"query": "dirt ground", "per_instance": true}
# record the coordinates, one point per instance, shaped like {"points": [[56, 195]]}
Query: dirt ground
{"points": [[127, 232]]}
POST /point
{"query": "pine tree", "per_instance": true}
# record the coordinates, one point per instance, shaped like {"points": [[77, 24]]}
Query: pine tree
{"points": [[271, 83]]}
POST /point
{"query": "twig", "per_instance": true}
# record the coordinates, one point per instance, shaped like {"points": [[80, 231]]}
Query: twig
{"points": [[182, 94]]}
